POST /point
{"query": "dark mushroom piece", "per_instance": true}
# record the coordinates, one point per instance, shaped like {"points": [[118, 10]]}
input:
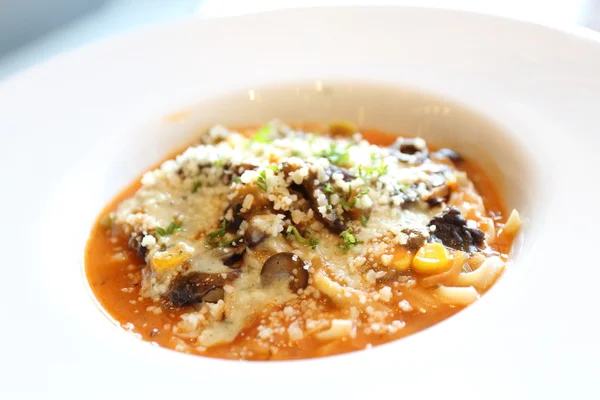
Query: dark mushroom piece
{"points": [[135, 242], [347, 174], [451, 229], [214, 295], [408, 146], [236, 217], [409, 150], [285, 266], [194, 287], [234, 259], [434, 201], [309, 190], [232, 254], [415, 239], [253, 236], [331, 219], [438, 195]]}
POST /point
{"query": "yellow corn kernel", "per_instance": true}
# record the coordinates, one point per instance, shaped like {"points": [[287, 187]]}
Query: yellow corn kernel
{"points": [[342, 128], [432, 258], [170, 258], [402, 259]]}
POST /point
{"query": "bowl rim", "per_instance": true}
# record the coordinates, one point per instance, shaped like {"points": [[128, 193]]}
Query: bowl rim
{"points": [[501, 365]]}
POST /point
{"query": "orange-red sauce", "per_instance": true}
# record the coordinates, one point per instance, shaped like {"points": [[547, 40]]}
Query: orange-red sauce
{"points": [[114, 274]]}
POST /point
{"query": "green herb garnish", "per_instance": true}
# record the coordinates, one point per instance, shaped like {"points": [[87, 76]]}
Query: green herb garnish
{"points": [[367, 172], [328, 188], [311, 240], [236, 179], [350, 201], [347, 203], [274, 168], [229, 242], [261, 182], [219, 238], [364, 219], [263, 135], [219, 232], [349, 240], [172, 228], [196, 186], [335, 156]]}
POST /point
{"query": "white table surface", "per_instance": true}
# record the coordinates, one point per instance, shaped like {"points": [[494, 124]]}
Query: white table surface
{"points": [[115, 16]]}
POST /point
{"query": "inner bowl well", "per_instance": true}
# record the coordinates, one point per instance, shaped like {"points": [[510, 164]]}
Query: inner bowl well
{"points": [[398, 110]]}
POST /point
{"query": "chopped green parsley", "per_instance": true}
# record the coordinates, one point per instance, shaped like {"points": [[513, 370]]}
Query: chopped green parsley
{"points": [[349, 240], [264, 135], [335, 156], [367, 172], [219, 232], [350, 201], [172, 228], [261, 181], [311, 240], [364, 219], [219, 238], [196, 186]]}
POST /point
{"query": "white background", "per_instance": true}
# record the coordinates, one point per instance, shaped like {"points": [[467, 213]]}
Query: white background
{"points": [[62, 25]]}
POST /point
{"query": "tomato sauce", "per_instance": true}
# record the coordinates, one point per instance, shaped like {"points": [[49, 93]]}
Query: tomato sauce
{"points": [[114, 272]]}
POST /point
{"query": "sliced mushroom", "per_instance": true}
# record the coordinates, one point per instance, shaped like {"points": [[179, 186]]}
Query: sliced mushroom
{"points": [[409, 194], [438, 195], [253, 236], [135, 242], [409, 150], [214, 295], [311, 190], [331, 219], [415, 239], [348, 175], [236, 218], [192, 288], [434, 201], [285, 266], [234, 260], [409, 146], [232, 254]]}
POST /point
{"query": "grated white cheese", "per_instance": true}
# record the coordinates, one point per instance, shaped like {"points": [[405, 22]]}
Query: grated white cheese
{"points": [[189, 200]]}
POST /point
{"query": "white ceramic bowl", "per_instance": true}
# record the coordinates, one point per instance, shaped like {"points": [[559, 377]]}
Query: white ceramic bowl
{"points": [[520, 99]]}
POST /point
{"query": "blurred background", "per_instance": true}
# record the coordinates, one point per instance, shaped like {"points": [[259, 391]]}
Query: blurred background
{"points": [[34, 30]]}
